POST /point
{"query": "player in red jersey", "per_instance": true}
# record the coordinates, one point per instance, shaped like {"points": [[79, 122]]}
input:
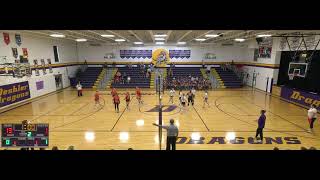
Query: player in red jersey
{"points": [[138, 94], [116, 101], [127, 98], [97, 98], [113, 92]]}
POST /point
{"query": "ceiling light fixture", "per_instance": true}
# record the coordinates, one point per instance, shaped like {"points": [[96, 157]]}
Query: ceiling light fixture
{"points": [[239, 39], [107, 35], [160, 35], [119, 40], [58, 35], [212, 35], [81, 40]]}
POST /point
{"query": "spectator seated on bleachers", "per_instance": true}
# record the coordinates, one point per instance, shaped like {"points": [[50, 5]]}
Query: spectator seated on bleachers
{"points": [[131, 77], [117, 77], [187, 83]]}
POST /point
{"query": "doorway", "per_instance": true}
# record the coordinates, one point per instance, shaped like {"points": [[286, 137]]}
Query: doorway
{"points": [[58, 80]]}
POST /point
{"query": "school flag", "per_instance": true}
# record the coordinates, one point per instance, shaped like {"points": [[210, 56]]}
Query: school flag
{"points": [[18, 39], [6, 38], [15, 52]]}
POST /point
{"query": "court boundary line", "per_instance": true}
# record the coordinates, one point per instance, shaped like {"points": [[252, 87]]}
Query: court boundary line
{"points": [[157, 131], [29, 101], [121, 115], [201, 119], [276, 115], [265, 128], [78, 120]]}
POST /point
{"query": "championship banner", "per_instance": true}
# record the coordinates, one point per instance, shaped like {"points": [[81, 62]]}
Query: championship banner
{"points": [[13, 93], [180, 54], [15, 52], [6, 38], [135, 54], [18, 39], [25, 52], [300, 97]]}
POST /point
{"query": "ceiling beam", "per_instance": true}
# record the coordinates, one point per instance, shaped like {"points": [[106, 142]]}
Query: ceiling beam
{"points": [[184, 35], [168, 35], [233, 36], [135, 35], [112, 32], [152, 36], [58, 32], [47, 35], [224, 33], [200, 35], [82, 34], [93, 32]]}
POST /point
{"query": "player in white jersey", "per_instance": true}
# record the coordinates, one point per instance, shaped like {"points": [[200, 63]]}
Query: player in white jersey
{"points": [[171, 94], [180, 96], [312, 116], [183, 100], [193, 91], [205, 99]]}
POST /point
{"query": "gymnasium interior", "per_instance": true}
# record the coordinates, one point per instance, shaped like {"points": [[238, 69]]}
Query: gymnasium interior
{"points": [[242, 72]]}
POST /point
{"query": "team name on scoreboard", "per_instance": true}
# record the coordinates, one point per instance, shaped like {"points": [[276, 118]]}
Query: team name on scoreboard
{"points": [[238, 140], [25, 135]]}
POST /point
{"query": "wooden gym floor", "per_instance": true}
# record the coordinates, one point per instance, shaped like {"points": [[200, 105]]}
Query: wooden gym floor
{"points": [[232, 113]]}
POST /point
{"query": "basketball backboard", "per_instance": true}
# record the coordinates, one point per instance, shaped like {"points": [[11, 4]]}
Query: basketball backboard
{"points": [[298, 69]]}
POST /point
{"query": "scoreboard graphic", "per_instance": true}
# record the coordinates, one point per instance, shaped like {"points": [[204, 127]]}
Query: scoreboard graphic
{"points": [[24, 135]]}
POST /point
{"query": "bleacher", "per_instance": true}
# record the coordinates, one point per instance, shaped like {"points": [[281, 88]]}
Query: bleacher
{"points": [[89, 76], [137, 78], [185, 72], [229, 78]]}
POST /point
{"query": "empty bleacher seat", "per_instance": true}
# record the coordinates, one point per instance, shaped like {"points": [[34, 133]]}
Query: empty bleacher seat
{"points": [[137, 79], [89, 76]]}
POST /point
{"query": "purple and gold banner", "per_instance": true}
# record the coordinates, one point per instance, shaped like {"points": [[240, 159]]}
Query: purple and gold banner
{"points": [[180, 54], [135, 54], [13, 93], [39, 85], [301, 97]]}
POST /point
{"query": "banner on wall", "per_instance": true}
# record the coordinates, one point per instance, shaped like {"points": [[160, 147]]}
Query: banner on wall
{"points": [[35, 62], [18, 39], [39, 85], [43, 65], [265, 48], [301, 97], [25, 52], [6, 38], [13, 93], [15, 52], [180, 54], [256, 55], [135, 54], [264, 52], [210, 56]]}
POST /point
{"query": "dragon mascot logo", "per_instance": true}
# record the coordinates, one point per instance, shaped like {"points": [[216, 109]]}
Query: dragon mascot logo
{"points": [[160, 58]]}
